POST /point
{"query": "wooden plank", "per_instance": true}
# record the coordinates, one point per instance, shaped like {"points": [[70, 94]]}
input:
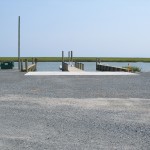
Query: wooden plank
{"points": [[74, 69], [31, 67]]}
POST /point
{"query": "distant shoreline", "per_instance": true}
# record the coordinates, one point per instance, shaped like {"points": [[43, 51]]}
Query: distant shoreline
{"points": [[79, 59]]}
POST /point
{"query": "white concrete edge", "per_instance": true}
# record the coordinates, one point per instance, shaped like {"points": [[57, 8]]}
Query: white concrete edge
{"points": [[48, 73]]}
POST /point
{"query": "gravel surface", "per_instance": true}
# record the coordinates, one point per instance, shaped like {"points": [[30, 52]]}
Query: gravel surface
{"points": [[74, 112], [75, 86]]}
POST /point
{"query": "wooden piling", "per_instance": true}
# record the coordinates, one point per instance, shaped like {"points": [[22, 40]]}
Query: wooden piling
{"points": [[76, 64], [32, 60], [26, 65], [35, 64], [62, 60], [71, 56], [21, 65], [96, 62], [82, 66]]}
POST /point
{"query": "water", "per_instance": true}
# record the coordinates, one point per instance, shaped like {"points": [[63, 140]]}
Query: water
{"points": [[89, 66]]}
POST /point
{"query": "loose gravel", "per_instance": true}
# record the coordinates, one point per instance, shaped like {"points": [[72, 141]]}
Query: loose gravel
{"points": [[74, 112], [13, 82]]}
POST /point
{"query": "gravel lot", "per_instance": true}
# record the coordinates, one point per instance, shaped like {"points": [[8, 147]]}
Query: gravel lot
{"points": [[75, 86], [74, 112]]}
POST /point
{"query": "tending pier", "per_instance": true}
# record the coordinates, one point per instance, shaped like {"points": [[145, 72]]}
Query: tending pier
{"points": [[70, 65]]}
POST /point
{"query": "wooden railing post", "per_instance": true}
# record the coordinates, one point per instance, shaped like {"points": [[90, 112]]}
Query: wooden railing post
{"points": [[62, 60], [96, 63], [35, 64], [78, 65], [82, 66], [32, 60], [26, 65], [75, 64], [71, 56], [21, 65]]}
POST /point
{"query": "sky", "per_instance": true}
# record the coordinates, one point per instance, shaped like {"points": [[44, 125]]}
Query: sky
{"points": [[89, 28]]}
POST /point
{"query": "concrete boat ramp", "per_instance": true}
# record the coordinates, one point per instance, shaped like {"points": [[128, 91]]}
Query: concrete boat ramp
{"points": [[71, 70], [82, 73]]}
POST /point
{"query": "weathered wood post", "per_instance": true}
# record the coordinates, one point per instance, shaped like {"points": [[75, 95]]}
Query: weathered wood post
{"points": [[82, 66], [99, 60], [71, 56], [32, 60], [21, 65], [62, 60], [129, 68], [96, 63], [100, 67], [26, 65], [75, 64], [78, 65], [18, 42], [35, 63]]}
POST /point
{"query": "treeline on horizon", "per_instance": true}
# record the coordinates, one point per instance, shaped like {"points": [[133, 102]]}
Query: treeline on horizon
{"points": [[78, 59]]}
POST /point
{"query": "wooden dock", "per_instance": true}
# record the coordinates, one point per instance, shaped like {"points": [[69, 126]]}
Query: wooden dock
{"points": [[79, 65], [74, 69], [71, 66], [103, 67]]}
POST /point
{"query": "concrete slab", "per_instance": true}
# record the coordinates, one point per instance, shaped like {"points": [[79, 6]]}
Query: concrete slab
{"points": [[49, 73]]}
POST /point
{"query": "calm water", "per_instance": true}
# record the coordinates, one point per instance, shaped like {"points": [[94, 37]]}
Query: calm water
{"points": [[88, 66]]}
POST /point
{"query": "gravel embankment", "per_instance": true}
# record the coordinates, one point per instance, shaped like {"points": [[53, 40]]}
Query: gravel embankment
{"points": [[74, 112]]}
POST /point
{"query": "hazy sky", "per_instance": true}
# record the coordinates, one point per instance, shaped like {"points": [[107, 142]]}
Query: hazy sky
{"points": [[102, 28]]}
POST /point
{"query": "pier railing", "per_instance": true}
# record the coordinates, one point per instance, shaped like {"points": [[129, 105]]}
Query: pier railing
{"points": [[71, 68], [79, 65]]}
